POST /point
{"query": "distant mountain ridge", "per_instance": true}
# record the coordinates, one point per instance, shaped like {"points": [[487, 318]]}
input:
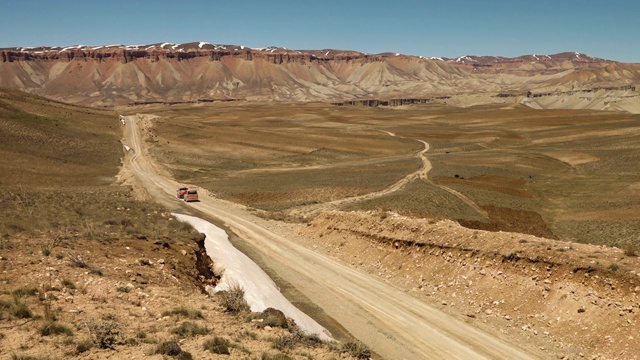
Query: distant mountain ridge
{"points": [[111, 75]]}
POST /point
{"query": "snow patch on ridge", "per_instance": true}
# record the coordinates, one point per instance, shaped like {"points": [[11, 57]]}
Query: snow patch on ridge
{"points": [[236, 268], [464, 58]]}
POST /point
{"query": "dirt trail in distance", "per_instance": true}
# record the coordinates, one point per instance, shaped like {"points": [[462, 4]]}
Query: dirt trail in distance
{"points": [[422, 174], [391, 322]]}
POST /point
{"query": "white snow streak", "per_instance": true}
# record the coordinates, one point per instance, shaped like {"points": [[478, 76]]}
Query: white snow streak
{"points": [[236, 268], [464, 58]]}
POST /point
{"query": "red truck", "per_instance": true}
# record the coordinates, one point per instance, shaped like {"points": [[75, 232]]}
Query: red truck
{"points": [[181, 192], [191, 195]]}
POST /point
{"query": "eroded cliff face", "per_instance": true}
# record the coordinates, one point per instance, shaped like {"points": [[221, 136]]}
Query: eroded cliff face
{"points": [[199, 71]]}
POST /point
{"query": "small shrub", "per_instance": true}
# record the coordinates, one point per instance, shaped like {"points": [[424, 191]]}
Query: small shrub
{"points": [[356, 349], [96, 271], [20, 310], [46, 251], [109, 316], [184, 355], [68, 284], [274, 318], [614, 267], [22, 292], [278, 356], [286, 342], [630, 250], [250, 334], [189, 329], [77, 261], [124, 289], [28, 357], [59, 256], [55, 329], [170, 348], [84, 346], [233, 299], [217, 345], [240, 347], [105, 334], [182, 311]]}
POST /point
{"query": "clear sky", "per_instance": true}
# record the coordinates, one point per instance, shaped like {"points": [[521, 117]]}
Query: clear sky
{"points": [[447, 28]]}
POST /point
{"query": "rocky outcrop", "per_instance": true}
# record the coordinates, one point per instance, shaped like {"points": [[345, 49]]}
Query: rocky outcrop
{"points": [[199, 71]]}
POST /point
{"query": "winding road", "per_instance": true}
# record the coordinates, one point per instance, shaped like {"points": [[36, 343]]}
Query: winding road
{"points": [[391, 322]]}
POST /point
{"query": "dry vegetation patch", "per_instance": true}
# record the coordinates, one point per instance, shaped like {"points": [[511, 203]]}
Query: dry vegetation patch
{"points": [[525, 168], [89, 271]]}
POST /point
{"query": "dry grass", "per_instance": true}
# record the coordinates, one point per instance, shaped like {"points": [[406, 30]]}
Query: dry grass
{"points": [[569, 174], [233, 299], [69, 242]]}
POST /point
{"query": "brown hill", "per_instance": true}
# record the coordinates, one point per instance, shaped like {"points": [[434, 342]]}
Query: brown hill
{"points": [[199, 71]]}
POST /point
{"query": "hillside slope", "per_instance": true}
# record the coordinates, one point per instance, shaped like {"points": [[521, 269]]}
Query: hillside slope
{"points": [[119, 75]]}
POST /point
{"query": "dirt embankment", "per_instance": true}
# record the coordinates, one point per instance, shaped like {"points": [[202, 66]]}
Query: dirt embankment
{"points": [[572, 300]]}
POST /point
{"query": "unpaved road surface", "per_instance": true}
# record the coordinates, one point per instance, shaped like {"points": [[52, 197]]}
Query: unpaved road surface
{"points": [[422, 173], [391, 322]]}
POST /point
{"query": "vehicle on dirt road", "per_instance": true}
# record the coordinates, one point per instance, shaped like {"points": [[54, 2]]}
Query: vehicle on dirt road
{"points": [[181, 192], [191, 196]]}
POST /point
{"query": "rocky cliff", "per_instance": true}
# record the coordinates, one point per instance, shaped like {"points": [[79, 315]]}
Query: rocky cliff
{"points": [[200, 71]]}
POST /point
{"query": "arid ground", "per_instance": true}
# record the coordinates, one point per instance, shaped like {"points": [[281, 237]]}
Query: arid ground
{"points": [[91, 269], [562, 174], [496, 215]]}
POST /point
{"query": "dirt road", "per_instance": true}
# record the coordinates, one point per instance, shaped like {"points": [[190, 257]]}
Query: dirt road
{"points": [[422, 173], [391, 322]]}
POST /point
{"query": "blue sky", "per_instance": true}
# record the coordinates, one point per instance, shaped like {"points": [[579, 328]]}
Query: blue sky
{"points": [[448, 28]]}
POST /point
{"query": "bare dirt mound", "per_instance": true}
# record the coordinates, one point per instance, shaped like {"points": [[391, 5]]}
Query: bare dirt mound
{"points": [[572, 300]]}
